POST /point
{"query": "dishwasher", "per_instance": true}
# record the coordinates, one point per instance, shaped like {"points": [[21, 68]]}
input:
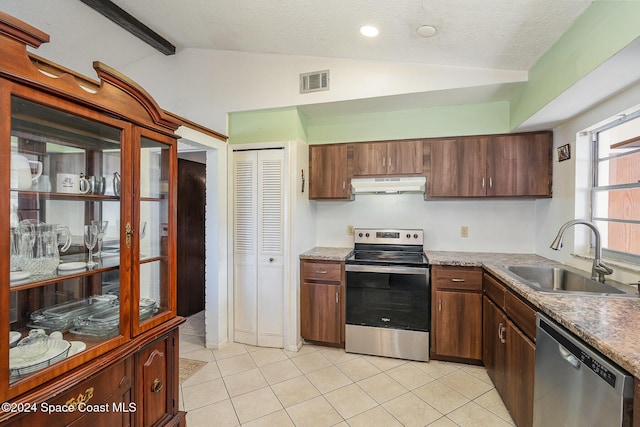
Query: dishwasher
{"points": [[575, 385]]}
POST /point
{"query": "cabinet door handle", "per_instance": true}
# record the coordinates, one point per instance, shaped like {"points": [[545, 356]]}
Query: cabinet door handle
{"points": [[337, 297], [384, 159], [344, 184], [389, 162], [458, 280], [440, 305], [482, 182], [490, 182], [501, 330]]}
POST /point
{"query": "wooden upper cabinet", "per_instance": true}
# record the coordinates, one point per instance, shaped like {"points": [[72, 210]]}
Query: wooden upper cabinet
{"points": [[458, 167], [519, 165], [513, 165], [388, 158], [328, 172]]}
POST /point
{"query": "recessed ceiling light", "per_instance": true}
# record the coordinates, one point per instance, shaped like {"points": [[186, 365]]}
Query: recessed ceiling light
{"points": [[369, 31], [426, 31]]}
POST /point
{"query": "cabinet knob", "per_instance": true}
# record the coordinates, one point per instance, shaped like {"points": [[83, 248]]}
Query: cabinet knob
{"points": [[157, 385]]}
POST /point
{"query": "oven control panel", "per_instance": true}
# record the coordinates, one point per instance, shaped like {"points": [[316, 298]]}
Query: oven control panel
{"points": [[389, 236]]}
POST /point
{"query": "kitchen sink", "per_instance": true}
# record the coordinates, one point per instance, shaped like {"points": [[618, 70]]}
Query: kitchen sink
{"points": [[563, 280]]}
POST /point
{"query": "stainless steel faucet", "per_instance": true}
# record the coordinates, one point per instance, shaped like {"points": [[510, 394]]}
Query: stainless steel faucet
{"points": [[599, 269]]}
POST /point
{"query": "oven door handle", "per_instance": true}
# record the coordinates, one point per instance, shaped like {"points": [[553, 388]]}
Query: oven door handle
{"points": [[386, 269]]}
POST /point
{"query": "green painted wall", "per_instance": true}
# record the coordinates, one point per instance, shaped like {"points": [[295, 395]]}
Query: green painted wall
{"points": [[421, 123], [605, 28], [279, 124], [286, 124]]}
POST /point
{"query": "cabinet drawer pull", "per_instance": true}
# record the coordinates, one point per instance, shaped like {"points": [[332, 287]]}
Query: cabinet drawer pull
{"points": [[157, 385], [458, 280], [321, 271]]}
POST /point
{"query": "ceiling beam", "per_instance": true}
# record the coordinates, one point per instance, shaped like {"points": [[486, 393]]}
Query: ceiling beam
{"points": [[131, 24]]}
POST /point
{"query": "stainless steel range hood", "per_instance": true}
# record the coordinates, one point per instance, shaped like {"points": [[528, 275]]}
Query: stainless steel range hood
{"points": [[409, 184]]}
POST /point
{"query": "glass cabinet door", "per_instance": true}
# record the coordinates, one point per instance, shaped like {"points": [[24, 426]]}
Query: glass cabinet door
{"points": [[64, 235], [155, 216]]}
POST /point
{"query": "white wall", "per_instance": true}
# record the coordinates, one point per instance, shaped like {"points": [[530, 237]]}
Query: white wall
{"points": [[494, 225], [208, 84], [571, 185], [216, 325]]}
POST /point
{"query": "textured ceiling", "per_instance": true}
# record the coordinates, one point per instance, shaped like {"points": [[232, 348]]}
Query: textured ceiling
{"points": [[503, 34]]}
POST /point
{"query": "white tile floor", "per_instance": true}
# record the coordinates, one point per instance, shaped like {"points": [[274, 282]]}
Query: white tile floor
{"points": [[322, 386]]}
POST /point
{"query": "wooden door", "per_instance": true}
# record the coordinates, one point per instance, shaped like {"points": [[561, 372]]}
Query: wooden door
{"points": [[458, 324], [328, 172], [405, 158], [520, 375], [191, 241], [494, 349], [458, 167], [519, 165], [370, 159], [320, 311]]}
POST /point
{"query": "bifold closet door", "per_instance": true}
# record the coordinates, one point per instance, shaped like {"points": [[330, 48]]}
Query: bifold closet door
{"points": [[258, 279]]}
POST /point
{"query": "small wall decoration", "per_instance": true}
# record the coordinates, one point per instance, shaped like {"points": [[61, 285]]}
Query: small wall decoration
{"points": [[564, 153]]}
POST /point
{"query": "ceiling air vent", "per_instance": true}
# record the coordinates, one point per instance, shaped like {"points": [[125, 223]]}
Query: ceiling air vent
{"points": [[314, 82]]}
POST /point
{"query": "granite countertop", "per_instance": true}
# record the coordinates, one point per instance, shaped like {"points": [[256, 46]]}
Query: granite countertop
{"points": [[327, 254], [610, 324]]}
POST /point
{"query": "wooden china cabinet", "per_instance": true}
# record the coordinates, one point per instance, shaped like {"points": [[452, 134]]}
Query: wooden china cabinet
{"points": [[88, 339]]}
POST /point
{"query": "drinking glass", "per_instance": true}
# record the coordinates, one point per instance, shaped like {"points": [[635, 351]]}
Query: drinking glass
{"points": [[90, 239], [102, 230]]}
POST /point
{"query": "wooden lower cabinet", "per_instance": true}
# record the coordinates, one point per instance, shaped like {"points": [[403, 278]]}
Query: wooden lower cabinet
{"points": [[509, 352], [458, 324], [136, 386], [520, 375], [456, 317], [322, 301], [494, 350]]}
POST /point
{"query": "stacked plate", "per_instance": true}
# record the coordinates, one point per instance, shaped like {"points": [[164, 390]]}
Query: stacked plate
{"points": [[20, 364], [60, 317], [105, 322]]}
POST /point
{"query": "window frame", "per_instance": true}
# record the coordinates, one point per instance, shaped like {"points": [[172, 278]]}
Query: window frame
{"points": [[595, 188]]}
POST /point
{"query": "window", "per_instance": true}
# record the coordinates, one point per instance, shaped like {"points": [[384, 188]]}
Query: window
{"points": [[616, 186]]}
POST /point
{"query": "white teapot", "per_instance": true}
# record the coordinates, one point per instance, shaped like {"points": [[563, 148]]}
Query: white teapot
{"points": [[22, 178]]}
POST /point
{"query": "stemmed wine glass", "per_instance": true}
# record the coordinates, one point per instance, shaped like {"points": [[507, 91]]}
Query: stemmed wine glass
{"points": [[102, 230], [90, 239]]}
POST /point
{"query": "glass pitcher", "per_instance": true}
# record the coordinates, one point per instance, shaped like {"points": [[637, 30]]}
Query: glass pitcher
{"points": [[39, 246]]}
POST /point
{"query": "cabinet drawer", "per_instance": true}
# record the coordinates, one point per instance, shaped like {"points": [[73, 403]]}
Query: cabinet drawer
{"points": [[523, 316], [458, 278], [494, 290], [105, 399], [324, 271]]}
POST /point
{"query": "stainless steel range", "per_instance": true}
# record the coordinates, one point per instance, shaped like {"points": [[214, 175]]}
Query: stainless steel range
{"points": [[388, 294]]}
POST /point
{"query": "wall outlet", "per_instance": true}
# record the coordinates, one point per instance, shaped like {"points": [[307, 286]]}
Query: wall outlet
{"points": [[350, 230], [464, 231]]}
